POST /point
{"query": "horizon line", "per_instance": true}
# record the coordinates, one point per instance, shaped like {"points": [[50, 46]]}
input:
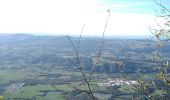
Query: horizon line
{"points": [[83, 36]]}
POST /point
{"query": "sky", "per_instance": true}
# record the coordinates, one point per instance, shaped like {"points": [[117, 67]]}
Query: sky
{"points": [[67, 17]]}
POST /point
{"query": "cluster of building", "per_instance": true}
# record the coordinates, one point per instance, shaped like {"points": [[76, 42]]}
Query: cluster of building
{"points": [[18, 86], [117, 82]]}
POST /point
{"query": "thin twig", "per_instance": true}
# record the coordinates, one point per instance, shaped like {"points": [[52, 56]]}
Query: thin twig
{"points": [[100, 49], [78, 44], [160, 4]]}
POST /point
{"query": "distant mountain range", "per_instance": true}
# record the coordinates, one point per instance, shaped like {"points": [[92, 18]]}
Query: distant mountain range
{"points": [[24, 35]]}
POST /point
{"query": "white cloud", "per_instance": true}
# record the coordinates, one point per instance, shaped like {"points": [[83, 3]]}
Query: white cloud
{"points": [[68, 16]]}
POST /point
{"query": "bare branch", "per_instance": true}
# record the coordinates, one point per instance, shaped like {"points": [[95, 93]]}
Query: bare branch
{"points": [[101, 47], [160, 4], [78, 44], [78, 63]]}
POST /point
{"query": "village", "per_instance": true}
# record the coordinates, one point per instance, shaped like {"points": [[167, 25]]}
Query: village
{"points": [[117, 82]]}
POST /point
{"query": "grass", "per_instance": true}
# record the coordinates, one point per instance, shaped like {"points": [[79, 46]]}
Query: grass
{"points": [[148, 76], [30, 91], [6, 75], [127, 89]]}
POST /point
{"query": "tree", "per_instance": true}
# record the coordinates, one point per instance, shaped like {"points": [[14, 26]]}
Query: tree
{"points": [[162, 37]]}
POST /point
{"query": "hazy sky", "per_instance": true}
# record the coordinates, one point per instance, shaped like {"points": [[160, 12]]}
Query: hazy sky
{"points": [[128, 17]]}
